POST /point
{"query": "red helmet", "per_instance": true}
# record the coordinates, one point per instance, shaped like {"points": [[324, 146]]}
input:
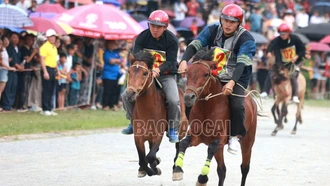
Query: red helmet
{"points": [[284, 28], [232, 12], [158, 17]]}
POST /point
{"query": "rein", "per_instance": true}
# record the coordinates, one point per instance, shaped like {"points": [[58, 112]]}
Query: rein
{"points": [[253, 93], [139, 89]]}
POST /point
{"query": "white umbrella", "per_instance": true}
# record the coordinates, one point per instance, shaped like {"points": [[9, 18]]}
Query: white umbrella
{"points": [[13, 16]]}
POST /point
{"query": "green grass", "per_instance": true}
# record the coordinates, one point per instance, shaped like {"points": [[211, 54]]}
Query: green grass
{"points": [[32, 123], [318, 103]]}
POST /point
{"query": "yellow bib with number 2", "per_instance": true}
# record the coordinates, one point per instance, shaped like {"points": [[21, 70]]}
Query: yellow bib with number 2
{"points": [[159, 57], [221, 56]]}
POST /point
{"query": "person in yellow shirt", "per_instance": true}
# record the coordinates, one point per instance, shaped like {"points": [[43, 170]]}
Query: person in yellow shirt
{"points": [[48, 60]]}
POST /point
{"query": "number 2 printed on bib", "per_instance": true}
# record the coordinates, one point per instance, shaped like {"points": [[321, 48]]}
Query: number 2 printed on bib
{"points": [[288, 54]]}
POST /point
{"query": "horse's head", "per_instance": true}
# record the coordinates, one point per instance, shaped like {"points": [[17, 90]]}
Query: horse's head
{"points": [[140, 75], [279, 73], [199, 76]]}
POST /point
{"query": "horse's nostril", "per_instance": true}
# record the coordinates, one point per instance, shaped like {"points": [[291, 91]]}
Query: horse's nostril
{"points": [[193, 96]]}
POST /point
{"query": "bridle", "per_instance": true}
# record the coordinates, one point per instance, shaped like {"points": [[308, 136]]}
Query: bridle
{"points": [[138, 90], [198, 91]]}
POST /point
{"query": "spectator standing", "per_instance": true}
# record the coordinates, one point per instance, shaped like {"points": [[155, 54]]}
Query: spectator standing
{"points": [[24, 78], [316, 18], [48, 59], [302, 19], [180, 10], [111, 73], [9, 94], [193, 7], [62, 83], [256, 20], [75, 75], [23, 4], [4, 66]]}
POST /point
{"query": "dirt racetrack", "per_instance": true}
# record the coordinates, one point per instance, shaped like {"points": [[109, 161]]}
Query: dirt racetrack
{"points": [[110, 158]]}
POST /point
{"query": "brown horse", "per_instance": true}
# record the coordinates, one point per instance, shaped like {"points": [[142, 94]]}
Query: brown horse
{"points": [[149, 114], [209, 120], [283, 91]]}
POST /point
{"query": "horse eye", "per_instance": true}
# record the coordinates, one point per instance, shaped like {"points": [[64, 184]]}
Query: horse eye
{"points": [[145, 73], [206, 75]]}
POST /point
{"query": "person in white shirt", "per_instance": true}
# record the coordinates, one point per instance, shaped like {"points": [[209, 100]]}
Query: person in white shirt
{"points": [[302, 18], [180, 10], [24, 4], [316, 18]]}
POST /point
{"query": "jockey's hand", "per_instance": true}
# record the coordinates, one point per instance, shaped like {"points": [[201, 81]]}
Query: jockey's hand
{"points": [[183, 68], [294, 59], [155, 72], [269, 55], [228, 88]]}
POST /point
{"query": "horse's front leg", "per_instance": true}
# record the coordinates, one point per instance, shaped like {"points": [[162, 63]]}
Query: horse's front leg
{"points": [[152, 159], [177, 171], [274, 109], [144, 169], [211, 150]]}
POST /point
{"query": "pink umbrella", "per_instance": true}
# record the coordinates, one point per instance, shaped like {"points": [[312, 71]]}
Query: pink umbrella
{"points": [[50, 8], [42, 25], [314, 46], [97, 21], [326, 40]]}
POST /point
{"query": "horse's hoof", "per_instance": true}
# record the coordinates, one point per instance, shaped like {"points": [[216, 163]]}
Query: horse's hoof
{"points": [[200, 184], [285, 120], [274, 133], [177, 176], [293, 132], [158, 160], [142, 174], [159, 172]]}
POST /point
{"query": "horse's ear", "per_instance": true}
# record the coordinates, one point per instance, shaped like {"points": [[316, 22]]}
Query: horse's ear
{"points": [[131, 58]]}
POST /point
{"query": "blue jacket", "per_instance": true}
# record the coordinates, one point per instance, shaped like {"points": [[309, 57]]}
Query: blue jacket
{"points": [[111, 71]]}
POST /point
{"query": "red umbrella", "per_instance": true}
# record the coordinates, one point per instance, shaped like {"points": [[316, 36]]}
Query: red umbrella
{"points": [[50, 8], [97, 21], [326, 39], [314, 46], [42, 25]]}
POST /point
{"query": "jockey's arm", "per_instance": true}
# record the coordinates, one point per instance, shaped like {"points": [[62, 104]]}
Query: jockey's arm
{"points": [[244, 59], [270, 48], [301, 50], [197, 44], [171, 57]]}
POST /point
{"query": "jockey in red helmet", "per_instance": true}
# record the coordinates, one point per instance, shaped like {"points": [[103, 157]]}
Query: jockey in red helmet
{"points": [[235, 69], [290, 50], [164, 46]]}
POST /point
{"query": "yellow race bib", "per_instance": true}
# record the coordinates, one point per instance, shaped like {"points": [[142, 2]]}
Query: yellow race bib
{"points": [[288, 54], [159, 57], [221, 56]]}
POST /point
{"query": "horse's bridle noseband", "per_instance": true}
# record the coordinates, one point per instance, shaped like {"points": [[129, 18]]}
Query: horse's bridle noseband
{"points": [[198, 91], [138, 90]]}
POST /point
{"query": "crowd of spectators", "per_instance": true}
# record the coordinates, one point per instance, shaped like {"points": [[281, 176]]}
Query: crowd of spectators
{"points": [[77, 84]]}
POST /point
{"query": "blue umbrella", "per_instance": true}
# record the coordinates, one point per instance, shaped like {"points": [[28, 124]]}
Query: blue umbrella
{"points": [[113, 2], [12, 16]]}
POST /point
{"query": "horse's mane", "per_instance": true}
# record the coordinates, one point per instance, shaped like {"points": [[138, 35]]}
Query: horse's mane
{"points": [[204, 54], [278, 78], [145, 57]]}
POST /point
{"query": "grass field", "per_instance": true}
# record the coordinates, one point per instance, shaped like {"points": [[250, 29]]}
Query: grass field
{"points": [[33, 123], [30, 123]]}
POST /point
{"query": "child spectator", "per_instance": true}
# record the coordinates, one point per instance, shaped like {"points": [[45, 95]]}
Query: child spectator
{"points": [[61, 77], [75, 75]]}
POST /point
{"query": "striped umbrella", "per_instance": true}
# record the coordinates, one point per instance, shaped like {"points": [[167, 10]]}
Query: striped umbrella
{"points": [[12, 16]]}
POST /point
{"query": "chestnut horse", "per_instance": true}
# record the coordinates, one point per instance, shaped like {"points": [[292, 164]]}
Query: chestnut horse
{"points": [[209, 120], [149, 113], [283, 91]]}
